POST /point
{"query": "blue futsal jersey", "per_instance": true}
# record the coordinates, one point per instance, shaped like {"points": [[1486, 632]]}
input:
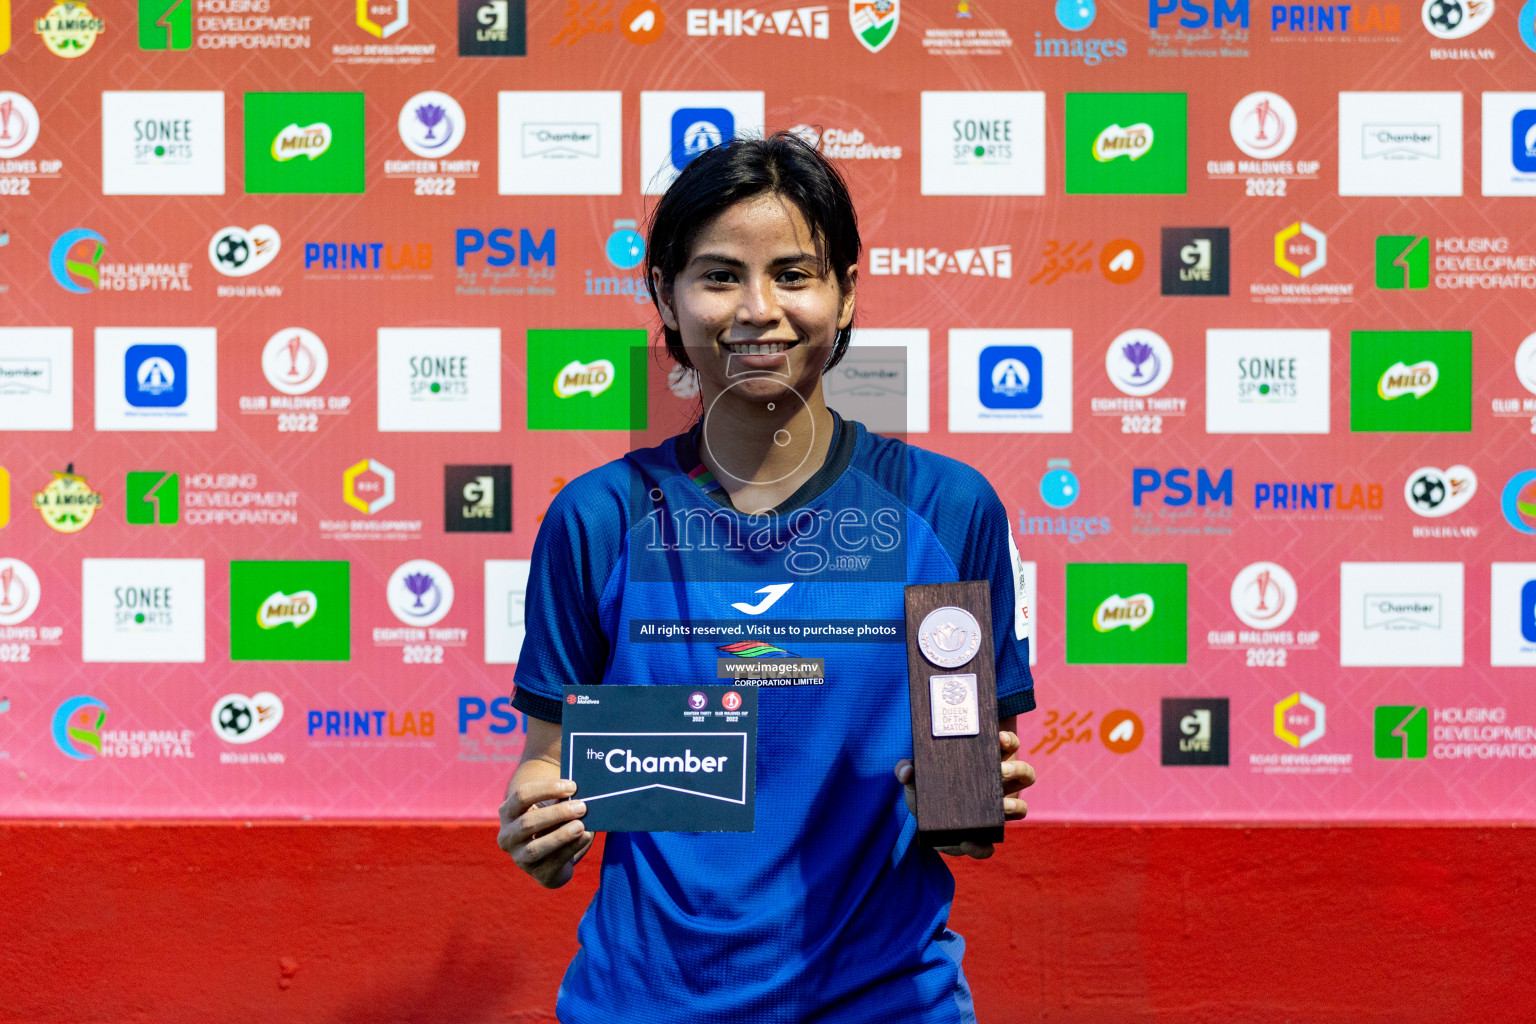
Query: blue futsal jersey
{"points": [[829, 911]]}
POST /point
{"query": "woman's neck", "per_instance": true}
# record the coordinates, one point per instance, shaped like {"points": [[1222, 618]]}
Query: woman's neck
{"points": [[762, 452]]}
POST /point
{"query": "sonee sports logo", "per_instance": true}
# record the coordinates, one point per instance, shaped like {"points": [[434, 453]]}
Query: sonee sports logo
{"points": [[1402, 731]]}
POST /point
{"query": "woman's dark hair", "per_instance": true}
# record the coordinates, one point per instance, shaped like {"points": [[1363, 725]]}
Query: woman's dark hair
{"points": [[783, 164]]}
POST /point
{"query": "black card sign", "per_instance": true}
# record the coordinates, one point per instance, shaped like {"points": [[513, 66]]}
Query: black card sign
{"points": [[662, 758]]}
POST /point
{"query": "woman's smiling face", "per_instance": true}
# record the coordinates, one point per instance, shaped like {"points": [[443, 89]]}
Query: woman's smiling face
{"points": [[755, 306]]}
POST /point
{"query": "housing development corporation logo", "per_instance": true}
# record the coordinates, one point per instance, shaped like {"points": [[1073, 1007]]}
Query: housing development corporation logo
{"points": [[1401, 732]]}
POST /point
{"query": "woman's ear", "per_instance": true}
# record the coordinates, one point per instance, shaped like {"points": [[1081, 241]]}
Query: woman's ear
{"points": [[850, 290], [663, 299]]}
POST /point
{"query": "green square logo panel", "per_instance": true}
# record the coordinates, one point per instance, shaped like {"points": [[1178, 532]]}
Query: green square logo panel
{"points": [[153, 499], [303, 142], [1127, 613], [1127, 143], [1410, 381], [587, 380], [290, 611]]}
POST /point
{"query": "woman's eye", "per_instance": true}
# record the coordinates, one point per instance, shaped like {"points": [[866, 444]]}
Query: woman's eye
{"points": [[719, 277]]}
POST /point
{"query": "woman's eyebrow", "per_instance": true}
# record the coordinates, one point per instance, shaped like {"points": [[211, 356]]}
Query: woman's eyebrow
{"points": [[734, 263]]}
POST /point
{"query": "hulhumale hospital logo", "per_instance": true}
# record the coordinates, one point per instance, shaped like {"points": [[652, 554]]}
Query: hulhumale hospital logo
{"points": [[1518, 501], [77, 727], [75, 260]]}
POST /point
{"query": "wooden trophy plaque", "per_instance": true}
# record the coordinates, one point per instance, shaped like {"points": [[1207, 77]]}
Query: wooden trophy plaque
{"points": [[953, 682]]}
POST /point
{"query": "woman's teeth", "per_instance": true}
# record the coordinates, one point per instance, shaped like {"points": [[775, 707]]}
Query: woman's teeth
{"points": [[766, 349]]}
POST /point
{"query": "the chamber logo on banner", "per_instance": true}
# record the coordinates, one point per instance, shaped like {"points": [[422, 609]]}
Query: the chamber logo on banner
{"points": [[1400, 143], [36, 378], [506, 592], [1400, 613], [560, 143]]}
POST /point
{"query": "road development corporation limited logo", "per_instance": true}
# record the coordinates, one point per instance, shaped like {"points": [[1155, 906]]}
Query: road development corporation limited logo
{"points": [[1300, 720], [77, 726]]}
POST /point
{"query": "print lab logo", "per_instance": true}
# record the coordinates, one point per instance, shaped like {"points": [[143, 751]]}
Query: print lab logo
{"points": [[874, 22], [237, 718], [240, 252], [983, 261], [1435, 492], [1196, 261], [1263, 125], [1455, 19], [1195, 730]]}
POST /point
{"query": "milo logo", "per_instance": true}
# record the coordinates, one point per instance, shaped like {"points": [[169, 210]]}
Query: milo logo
{"points": [[1116, 611], [1134, 141], [577, 377], [1400, 379], [293, 141], [292, 609]]}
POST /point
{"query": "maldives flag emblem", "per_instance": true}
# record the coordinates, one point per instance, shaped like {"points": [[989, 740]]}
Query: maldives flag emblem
{"points": [[874, 21]]}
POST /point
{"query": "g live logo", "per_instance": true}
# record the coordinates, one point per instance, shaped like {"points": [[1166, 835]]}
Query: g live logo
{"points": [[1402, 731]]}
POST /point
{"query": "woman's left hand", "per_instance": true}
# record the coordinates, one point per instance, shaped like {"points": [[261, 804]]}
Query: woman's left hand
{"points": [[1016, 776]]}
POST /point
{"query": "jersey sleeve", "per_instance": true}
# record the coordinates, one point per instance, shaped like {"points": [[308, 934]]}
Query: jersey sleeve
{"points": [[990, 554], [564, 643]]}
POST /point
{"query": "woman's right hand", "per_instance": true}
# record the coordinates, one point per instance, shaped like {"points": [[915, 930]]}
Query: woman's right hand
{"points": [[543, 831]]}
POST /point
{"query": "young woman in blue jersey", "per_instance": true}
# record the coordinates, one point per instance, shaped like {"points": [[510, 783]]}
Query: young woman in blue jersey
{"points": [[830, 910]]}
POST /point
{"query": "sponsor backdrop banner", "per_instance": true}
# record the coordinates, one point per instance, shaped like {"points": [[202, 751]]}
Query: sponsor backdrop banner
{"points": [[310, 307]]}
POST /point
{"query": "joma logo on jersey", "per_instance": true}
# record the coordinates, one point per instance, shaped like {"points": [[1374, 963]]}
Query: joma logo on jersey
{"points": [[1116, 611], [1400, 379], [287, 609]]}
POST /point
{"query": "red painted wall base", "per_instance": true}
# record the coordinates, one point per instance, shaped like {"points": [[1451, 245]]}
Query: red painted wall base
{"points": [[163, 924]]}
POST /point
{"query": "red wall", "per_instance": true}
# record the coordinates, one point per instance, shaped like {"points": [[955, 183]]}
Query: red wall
{"points": [[379, 923]]}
